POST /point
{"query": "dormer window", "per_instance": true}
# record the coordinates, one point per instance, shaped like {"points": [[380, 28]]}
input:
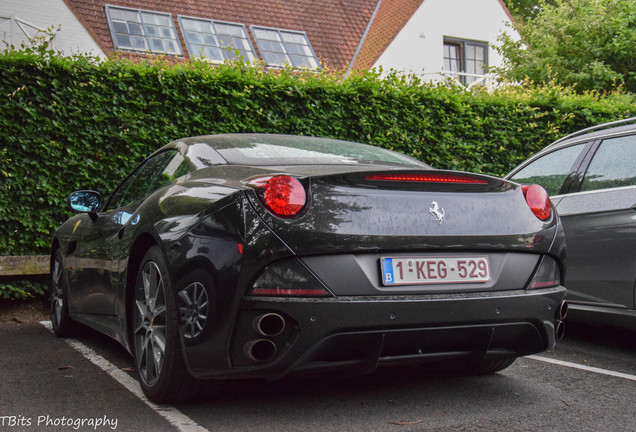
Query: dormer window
{"points": [[216, 41], [142, 31], [281, 48]]}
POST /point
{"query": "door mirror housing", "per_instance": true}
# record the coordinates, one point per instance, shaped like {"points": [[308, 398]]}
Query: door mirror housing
{"points": [[85, 201]]}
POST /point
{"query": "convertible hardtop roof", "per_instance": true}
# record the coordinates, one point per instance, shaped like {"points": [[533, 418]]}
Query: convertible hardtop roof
{"points": [[274, 149]]}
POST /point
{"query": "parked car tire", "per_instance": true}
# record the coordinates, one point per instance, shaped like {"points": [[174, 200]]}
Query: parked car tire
{"points": [[156, 340], [63, 325]]}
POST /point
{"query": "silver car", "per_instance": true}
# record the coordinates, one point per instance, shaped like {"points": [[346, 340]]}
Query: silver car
{"points": [[591, 179]]}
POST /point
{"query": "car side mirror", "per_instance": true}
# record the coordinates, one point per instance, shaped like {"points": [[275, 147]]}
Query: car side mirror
{"points": [[85, 201]]}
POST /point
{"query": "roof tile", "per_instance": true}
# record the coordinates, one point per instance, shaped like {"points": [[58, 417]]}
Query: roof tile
{"points": [[334, 27]]}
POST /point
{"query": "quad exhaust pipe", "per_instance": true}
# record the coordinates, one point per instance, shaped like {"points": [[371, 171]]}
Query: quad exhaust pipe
{"points": [[260, 350], [559, 327], [269, 324]]}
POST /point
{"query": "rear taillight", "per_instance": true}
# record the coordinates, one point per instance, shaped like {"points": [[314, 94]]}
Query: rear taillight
{"points": [[427, 178], [538, 200], [284, 196]]}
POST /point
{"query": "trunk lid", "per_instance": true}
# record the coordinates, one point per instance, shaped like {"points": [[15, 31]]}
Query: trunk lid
{"points": [[367, 211]]}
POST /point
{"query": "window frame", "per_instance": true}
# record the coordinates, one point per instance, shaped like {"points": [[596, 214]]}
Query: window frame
{"points": [[571, 178], [116, 198], [192, 54], [462, 44], [148, 49], [254, 28]]}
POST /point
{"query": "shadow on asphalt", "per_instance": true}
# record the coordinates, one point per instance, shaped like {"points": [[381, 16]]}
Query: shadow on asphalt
{"points": [[601, 336]]}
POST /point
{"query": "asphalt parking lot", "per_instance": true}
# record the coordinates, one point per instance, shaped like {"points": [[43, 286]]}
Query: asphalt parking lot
{"points": [[587, 383]]}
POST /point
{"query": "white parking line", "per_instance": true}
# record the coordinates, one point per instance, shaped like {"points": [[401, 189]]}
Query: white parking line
{"points": [[583, 367], [175, 417]]}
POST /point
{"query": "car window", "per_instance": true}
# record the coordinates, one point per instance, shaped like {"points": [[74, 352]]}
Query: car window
{"points": [[613, 165], [279, 150], [154, 173], [551, 170]]}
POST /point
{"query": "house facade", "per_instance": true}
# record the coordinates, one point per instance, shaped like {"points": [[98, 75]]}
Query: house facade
{"points": [[434, 39], [437, 39], [23, 22]]}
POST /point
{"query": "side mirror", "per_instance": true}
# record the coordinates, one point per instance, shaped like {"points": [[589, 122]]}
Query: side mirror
{"points": [[85, 201]]}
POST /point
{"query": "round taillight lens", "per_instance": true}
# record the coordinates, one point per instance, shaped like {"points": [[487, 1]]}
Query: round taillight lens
{"points": [[538, 200], [284, 196]]}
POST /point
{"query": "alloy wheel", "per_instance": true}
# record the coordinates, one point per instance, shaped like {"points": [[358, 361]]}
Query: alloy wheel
{"points": [[57, 294], [193, 308], [150, 319]]}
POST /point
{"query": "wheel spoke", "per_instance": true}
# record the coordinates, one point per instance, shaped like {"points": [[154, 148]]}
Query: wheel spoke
{"points": [[183, 295], [193, 309], [149, 364]]}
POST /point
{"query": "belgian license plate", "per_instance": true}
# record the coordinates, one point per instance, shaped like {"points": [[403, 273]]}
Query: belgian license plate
{"points": [[434, 270]]}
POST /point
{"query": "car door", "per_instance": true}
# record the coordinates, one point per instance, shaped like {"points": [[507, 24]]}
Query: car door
{"points": [[98, 255], [599, 219]]}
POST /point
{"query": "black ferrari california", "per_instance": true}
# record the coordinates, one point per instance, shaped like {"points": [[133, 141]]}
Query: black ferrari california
{"points": [[260, 256]]}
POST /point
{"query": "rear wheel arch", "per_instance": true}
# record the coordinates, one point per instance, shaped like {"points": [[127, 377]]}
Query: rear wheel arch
{"points": [[156, 340]]}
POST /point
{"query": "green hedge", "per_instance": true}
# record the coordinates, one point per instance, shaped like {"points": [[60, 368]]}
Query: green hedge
{"points": [[71, 123]]}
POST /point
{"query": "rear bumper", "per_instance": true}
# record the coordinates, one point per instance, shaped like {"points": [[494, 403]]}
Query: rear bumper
{"points": [[362, 333]]}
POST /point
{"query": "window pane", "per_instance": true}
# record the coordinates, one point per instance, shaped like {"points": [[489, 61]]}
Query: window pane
{"points": [[123, 41], [283, 47], [451, 57], [223, 29], [166, 33], [131, 16], [214, 53], [170, 47], [294, 49], [551, 170], [120, 27], [211, 40], [194, 38], [613, 165], [294, 38], [213, 35], [152, 30], [138, 42], [480, 53], [470, 51], [145, 180], [189, 24], [149, 18], [116, 14], [136, 30]]}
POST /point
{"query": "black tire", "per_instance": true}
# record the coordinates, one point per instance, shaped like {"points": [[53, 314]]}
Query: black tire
{"points": [[63, 325], [156, 339]]}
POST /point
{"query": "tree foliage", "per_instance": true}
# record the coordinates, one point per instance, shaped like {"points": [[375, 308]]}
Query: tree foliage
{"points": [[523, 10], [583, 44]]}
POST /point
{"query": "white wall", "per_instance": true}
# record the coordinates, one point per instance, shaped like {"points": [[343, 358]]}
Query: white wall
{"points": [[18, 17], [418, 48]]}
